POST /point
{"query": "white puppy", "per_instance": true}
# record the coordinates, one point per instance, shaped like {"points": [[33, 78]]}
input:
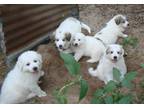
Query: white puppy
{"points": [[21, 82], [65, 31], [113, 58], [113, 29], [87, 46]]}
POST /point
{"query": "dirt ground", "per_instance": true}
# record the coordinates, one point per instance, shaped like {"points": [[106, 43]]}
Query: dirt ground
{"points": [[95, 16]]}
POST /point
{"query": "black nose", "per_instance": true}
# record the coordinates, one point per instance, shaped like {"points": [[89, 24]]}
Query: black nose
{"points": [[60, 46], [128, 24], [35, 68], [115, 57], [76, 44]]}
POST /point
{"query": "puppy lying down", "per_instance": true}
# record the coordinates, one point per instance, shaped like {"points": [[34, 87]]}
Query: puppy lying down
{"points": [[113, 29], [113, 58], [21, 82], [87, 46], [65, 32]]}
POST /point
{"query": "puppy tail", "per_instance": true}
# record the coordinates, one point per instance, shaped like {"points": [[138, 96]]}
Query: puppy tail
{"points": [[92, 72], [84, 26]]}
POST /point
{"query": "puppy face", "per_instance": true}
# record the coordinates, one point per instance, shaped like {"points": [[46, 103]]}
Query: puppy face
{"points": [[121, 21], [29, 61], [78, 39], [62, 40], [114, 52]]}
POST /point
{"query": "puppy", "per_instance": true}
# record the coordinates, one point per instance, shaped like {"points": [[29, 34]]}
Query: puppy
{"points": [[87, 46], [21, 82], [113, 29], [65, 31], [113, 58]]}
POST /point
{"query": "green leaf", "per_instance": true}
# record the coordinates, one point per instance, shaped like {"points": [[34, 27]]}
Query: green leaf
{"points": [[133, 41], [142, 65], [111, 85], [130, 76], [97, 101], [125, 99], [126, 83], [108, 100], [83, 89], [70, 63], [98, 93], [116, 74]]}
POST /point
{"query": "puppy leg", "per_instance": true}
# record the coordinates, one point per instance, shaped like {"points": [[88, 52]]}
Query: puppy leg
{"points": [[37, 90], [78, 56], [92, 72], [123, 35], [31, 95], [94, 58], [42, 73]]}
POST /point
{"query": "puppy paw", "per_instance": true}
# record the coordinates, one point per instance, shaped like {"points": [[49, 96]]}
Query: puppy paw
{"points": [[91, 61], [125, 35], [42, 94], [42, 73], [92, 72]]}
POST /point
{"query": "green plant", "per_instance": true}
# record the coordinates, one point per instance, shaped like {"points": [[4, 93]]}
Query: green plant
{"points": [[73, 68], [133, 41], [116, 92]]}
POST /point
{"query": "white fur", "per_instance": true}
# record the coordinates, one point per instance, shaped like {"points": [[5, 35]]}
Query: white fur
{"points": [[105, 67], [21, 82], [87, 46], [112, 31], [70, 26]]}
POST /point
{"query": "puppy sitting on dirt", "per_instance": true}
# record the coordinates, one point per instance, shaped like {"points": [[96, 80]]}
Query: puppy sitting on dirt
{"points": [[113, 29], [65, 31], [87, 46], [113, 58], [21, 82]]}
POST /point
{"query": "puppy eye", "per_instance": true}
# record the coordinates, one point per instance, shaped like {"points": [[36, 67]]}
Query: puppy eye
{"points": [[35, 61], [63, 40], [111, 52], [123, 21], [119, 52], [28, 64], [57, 40], [79, 40]]}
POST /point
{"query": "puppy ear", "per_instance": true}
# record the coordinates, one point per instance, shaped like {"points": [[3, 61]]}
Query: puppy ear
{"points": [[40, 58], [107, 49], [19, 64], [119, 20], [122, 50], [68, 36], [52, 35]]}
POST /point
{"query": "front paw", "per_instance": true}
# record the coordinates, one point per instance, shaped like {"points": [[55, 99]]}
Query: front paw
{"points": [[42, 94], [125, 35], [42, 73]]}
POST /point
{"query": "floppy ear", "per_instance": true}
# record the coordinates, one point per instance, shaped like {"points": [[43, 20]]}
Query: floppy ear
{"points": [[40, 58], [107, 50], [119, 20], [19, 65], [122, 50], [68, 36], [52, 35]]}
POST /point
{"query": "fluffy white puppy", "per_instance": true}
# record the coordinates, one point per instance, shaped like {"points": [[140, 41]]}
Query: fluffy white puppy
{"points": [[21, 82], [113, 29], [113, 58], [65, 31], [87, 46]]}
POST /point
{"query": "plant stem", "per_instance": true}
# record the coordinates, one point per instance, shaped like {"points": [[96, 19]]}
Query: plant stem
{"points": [[69, 84]]}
